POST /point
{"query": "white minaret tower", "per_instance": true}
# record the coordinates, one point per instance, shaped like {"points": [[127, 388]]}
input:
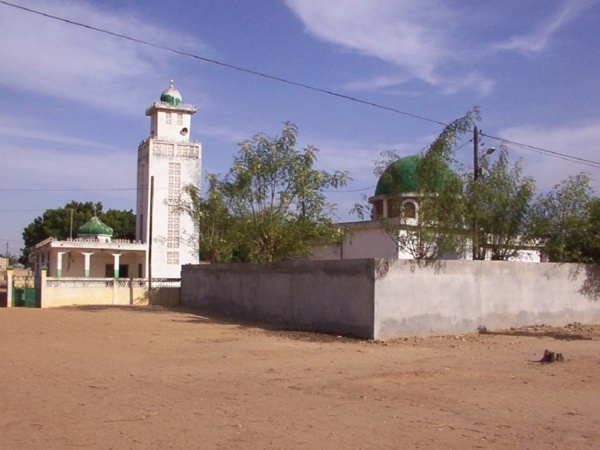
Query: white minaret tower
{"points": [[170, 158]]}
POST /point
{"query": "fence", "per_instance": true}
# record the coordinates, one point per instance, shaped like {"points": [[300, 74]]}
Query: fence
{"points": [[55, 292]]}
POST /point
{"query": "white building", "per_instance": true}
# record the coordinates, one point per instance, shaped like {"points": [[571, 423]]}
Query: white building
{"points": [[167, 161], [397, 198]]}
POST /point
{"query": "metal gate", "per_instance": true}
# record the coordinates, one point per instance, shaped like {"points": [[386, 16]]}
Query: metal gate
{"points": [[25, 291]]}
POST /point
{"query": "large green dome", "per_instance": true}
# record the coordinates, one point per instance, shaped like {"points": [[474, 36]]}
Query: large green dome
{"points": [[95, 227], [171, 96], [402, 176]]}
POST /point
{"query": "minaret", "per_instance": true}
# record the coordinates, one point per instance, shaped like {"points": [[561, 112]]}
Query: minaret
{"points": [[174, 161]]}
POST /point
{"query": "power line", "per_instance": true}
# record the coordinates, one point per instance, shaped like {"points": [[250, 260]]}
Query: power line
{"points": [[297, 84], [545, 152], [65, 189]]}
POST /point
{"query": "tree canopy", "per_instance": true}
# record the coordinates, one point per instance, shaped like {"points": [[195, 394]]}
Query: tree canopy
{"points": [[270, 206], [566, 221], [497, 204]]}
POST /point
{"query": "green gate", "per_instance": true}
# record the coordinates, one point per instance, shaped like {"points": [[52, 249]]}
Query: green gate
{"points": [[25, 291]]}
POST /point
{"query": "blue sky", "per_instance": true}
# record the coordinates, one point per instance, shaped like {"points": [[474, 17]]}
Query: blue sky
{"points": [[73, 100]]}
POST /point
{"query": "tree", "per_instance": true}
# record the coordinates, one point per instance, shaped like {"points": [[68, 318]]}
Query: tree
{"points": [[497, 203], [212, 219], [561, 219], [270, 205], [438, 227], [57, 223]]}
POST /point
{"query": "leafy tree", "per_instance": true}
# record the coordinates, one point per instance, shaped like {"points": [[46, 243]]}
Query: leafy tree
{"points": [[591, 243], [212, 219], [57, 223], [438, 227], [562, 219], [269, 206], [498, 203]]}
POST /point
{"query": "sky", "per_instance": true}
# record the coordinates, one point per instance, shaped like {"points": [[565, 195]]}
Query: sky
{"points": [[73, 100]]}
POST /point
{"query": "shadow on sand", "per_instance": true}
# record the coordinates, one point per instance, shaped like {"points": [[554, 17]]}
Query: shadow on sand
{"points": [[187, 314]]}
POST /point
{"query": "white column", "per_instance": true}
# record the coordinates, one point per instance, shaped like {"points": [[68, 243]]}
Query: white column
{"points": [[87, 257], [116, 257], [59, 259]]}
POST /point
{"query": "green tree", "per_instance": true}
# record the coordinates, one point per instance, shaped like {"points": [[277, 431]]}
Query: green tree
{"points": [[561, 219], [57, 223], [438, 227], [270, 205], [212, 219], [498, 204]]}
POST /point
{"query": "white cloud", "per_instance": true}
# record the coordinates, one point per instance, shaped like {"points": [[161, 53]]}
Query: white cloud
{"points": [[538, 40], [53, 58], [11, 129], [581, 141], [418, 38]]}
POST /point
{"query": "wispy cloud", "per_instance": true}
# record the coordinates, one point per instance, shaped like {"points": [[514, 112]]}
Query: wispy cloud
{"points": [[538, 40], [52, 58], [417, 38], [9, 130]]}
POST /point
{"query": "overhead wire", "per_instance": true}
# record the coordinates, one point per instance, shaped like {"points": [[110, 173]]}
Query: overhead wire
{"points": [[296, 83]]}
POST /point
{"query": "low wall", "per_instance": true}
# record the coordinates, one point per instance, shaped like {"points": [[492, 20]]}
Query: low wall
{"points": [[91, 291], [55, 292], [386, 299], [460, 296], [330, 296]]}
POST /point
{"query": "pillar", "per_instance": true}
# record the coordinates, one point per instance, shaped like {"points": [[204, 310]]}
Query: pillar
{"points": [[117, 257], [87, 257], [59, 259]]}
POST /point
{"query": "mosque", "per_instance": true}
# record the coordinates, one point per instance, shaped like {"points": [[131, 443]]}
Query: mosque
{"points": [[397, 197], [165, 240], [167, 161]]}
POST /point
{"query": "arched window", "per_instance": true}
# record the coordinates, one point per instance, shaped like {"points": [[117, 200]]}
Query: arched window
{"points": [[409, 210]]}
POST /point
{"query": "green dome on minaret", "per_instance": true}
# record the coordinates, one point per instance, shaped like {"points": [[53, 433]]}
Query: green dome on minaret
{"points": [[171, 96], [95, 227]]}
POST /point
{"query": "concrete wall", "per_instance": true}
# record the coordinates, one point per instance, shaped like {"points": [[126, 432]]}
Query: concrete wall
{"points": [[389, 298], [332, 296], [459, 296]]}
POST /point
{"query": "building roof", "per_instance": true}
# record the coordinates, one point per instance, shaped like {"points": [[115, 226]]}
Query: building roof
{"points": [[95, 226], [171, 96]]}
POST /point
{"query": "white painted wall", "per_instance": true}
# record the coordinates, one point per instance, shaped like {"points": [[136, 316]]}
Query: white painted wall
{"points": [[459, 296]]}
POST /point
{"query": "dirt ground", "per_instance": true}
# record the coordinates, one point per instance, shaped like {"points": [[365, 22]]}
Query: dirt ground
{"points": [[175, 378]]}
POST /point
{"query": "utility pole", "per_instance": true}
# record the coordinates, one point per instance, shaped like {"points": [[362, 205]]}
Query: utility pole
{"points": [[475, 153], [475, 242]]}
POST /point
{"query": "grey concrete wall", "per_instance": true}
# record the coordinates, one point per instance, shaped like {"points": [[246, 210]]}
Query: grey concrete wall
{"points": [[330, 296], [459, 296]]}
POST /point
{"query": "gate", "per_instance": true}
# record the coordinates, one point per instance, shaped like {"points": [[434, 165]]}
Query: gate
{"points": [[25, 291]]}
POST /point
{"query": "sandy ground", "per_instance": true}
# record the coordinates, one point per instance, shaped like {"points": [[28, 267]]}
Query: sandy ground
{"points": [[174, 378]]}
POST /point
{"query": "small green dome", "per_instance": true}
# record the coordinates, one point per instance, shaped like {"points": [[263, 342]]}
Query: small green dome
{"points": [[402, 176], [95, 227], [171, 96]]}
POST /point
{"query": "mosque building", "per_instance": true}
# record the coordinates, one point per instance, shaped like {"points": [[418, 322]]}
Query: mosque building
{"points": [[167, 161]]}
